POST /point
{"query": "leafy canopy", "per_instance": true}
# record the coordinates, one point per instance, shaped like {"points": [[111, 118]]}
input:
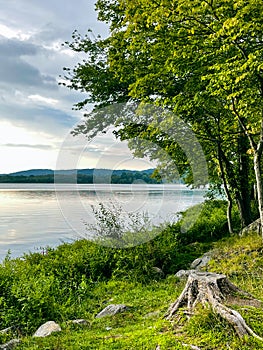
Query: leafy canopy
{"points": [[202, 60]]}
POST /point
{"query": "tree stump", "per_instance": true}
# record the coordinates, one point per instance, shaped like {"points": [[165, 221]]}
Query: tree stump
{"points": [[214, 290]]}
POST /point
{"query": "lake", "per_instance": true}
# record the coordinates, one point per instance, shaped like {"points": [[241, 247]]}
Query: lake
{"points": [[36, 215]]}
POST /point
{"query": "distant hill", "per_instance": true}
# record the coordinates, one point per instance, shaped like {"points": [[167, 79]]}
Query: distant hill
{"points": [[87, 176], [40, 172], [32, 172]]}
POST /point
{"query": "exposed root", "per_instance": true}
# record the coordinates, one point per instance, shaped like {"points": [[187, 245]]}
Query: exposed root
{"points": [[214, 289]]}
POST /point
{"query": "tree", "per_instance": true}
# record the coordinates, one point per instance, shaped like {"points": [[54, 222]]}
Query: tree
{"points": [[200, 59]]}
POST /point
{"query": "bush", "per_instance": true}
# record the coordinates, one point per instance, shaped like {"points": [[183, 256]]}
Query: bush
{"points": [[210, 223]]}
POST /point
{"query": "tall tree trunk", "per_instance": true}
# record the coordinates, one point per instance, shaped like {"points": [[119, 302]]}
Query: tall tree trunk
{"points": [[257, 161], [257, 147], [235, 189], [226, 189], [244, 185], [257, 170], [244, 209], [229, 214]]}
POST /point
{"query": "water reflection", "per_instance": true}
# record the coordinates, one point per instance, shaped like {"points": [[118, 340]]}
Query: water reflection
{"points": [[31, 216]]}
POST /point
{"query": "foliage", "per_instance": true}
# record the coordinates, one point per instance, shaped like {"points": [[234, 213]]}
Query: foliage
{"points": [[201, 60], [209, 224], [116, 227]]}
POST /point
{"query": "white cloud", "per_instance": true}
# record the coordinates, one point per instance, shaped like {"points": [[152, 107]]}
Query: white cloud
{"points": [[11, 33], [7, 32], [42, 99]]}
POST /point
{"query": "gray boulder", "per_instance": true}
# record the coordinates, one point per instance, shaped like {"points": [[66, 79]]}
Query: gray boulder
{"points": [[47, 328], [10, 345], [111, 310], [253, 227], [201, 262]]}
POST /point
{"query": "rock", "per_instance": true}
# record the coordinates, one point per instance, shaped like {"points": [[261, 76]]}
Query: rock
{"points": [[80, 321], [10, 345], [47, 328], [6, 330], [201, 262], [253, 227], [183, 273], [158, 271], [111, 310]]}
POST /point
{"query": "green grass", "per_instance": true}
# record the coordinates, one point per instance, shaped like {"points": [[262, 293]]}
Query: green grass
{"points": [[239, 258], [79, 280], [142, 326]]}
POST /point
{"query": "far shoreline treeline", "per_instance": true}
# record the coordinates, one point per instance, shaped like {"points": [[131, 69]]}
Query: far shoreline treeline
{"points": [[83, 176]]}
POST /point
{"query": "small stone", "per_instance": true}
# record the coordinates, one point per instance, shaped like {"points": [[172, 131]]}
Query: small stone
{"points": [[10, 345], [80, 321], [47, 328], [111, 310], [183, 273], [158, 271]]}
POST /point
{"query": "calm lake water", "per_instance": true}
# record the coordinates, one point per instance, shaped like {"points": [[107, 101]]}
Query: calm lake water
{"points": [[33, 216]]}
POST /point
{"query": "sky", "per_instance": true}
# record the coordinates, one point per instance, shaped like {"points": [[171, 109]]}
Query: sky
{"points": [[36, 113]]}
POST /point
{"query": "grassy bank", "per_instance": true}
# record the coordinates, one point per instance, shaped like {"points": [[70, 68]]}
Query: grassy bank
{"points": [[78, 280]]}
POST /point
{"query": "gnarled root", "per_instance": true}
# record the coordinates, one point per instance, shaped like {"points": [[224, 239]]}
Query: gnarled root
{"points": [[214, 289]]}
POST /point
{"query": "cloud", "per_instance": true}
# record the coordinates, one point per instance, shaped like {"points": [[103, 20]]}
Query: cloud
{"points": [[42, 99], [15, 47], [30, 97], [22, 145], [15, 70], [39, 118]]}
